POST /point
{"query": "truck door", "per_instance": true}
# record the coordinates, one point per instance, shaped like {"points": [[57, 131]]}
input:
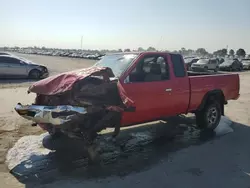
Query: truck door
{"points": [[150, 86], [181, 87]]}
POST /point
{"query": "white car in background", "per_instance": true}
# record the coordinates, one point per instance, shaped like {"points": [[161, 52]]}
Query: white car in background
{"points": [[13, 67], [205, 64], [246, 64]]}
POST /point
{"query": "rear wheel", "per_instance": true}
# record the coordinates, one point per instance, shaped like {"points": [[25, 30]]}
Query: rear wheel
{"points": [[205, 69], [209, 117], [216, 69], [35, 74]]}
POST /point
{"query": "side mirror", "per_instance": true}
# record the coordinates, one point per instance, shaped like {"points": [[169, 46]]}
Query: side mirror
{"points": [[126, 81]]}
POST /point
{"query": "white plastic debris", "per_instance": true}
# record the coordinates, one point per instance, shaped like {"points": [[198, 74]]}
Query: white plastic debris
{"points": [[24, 148], [224, 126]]}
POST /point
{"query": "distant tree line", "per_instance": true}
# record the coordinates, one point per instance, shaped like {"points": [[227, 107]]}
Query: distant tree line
{"points": [[219, 53]]}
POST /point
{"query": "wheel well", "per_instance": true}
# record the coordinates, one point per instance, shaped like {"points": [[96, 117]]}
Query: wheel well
{"points": [[215, 95], [34, 70]]}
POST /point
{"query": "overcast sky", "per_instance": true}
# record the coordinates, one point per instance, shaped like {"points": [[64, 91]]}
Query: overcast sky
{"points": [[113, 24]]}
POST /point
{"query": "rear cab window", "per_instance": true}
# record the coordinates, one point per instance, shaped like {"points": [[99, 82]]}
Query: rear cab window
{"points": [[178, 65]]}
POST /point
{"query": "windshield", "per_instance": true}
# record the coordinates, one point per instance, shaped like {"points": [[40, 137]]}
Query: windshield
{"points": [[188, 60], [228, 62], [202, 61], [117, 62], [24, 60]]}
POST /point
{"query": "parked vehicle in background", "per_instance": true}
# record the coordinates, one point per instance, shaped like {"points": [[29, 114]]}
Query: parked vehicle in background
{"points": [[231, 65], [246, 64], [189, 61], [221, 60], [205, 64], [12, 67]]}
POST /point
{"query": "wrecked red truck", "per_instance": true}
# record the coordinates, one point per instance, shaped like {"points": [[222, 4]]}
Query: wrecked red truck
{"points": [[125, 89]]}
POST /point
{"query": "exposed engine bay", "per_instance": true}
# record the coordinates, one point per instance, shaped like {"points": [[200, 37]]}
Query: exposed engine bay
{"points": [[78, 104]]}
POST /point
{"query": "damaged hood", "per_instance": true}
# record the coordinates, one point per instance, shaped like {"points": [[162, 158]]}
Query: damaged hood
{"points": [[64, 82], [79, 103]]}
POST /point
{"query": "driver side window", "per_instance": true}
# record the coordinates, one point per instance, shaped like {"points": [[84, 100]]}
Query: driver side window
{"points": [[151, 68], [10, 61]]}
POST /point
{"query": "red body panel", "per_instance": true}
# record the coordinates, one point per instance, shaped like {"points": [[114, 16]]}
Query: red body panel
{"points": [[152, 101], [200, 85]]}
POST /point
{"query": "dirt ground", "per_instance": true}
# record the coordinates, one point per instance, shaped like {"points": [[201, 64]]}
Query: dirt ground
{"points": [[229, 168]]}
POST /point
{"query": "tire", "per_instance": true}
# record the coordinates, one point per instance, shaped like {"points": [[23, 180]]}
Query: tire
{"points": [[216, 69], [34, 74], [209, 117], [205, 69]]}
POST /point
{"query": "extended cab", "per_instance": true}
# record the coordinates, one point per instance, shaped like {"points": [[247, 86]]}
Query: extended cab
{"points": [[153, 84], [160, 86], [146, 86]]}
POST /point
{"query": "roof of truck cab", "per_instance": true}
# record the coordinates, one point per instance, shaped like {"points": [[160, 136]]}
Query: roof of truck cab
{"points": [[139, 53]]}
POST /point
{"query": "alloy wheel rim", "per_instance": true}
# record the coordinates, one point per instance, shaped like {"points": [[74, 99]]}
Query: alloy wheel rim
{"points": [[212, 115]]}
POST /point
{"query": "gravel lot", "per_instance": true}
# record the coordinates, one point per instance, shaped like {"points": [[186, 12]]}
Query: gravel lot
{"points": [[220, 162]]}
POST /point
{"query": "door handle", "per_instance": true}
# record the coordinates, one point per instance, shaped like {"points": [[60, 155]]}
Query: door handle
{"points": [[168, 90]]}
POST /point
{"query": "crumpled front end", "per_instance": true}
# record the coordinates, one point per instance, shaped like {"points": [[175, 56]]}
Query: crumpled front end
{"points": [[79, 103]]}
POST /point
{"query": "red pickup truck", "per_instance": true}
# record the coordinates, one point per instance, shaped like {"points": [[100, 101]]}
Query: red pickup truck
{"points": [[167, 89], [125, 89]]}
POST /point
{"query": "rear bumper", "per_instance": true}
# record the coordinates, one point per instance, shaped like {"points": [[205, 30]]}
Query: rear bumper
{"points": [[197, 68], [224, 68]]}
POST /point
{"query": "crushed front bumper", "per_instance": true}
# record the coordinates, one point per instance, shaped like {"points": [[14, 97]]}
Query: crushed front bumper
{"points": [[56, 115]]}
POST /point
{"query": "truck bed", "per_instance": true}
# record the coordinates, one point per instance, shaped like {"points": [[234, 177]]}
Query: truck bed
{"points": [[201, 84]]}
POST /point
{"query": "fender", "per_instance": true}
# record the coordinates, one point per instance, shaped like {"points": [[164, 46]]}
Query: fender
{"points": [[217, 94]]}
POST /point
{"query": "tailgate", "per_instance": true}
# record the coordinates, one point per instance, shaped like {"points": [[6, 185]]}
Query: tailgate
{"points": [[200, 85]]}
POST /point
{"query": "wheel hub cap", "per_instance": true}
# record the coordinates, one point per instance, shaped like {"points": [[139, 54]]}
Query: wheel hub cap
{"points": [[212, 116]]}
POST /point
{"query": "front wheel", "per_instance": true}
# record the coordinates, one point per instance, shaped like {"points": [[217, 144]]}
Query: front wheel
{"points": [[216, 69], [34, 74], [209, 117]]}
